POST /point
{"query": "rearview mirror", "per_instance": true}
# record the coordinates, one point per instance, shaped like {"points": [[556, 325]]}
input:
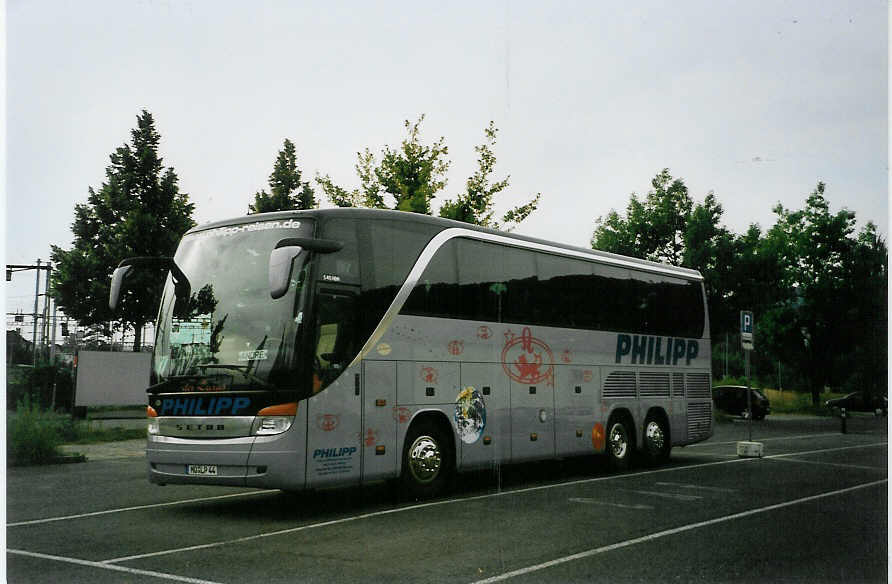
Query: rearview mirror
{"points": [[114, 294], [125, 268], [281, 261]]}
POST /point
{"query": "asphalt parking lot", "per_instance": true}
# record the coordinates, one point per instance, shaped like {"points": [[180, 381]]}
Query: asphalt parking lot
{"points": [[813, 509]]}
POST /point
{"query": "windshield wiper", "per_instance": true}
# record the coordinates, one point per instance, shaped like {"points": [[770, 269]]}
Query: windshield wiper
{"points": [[243, 369], [188, 377]]}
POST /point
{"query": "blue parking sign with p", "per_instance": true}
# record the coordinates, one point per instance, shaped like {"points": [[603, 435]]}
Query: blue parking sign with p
{"points": [[746, 329]]}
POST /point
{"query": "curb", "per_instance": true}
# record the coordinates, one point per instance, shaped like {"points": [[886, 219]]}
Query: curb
{"points": [[60, 459]]}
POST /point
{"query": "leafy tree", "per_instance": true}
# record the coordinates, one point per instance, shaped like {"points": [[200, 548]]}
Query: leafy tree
{"points": [[368, 195], [817, 248], [475, 205], [652, 229], [287, 192], [138, 211], [867, 325], [413, 174], [710, 248]]}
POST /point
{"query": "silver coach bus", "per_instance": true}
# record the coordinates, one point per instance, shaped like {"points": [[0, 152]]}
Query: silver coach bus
{"points": [[303, 349]]}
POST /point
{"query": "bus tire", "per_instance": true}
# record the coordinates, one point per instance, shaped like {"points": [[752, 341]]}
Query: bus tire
{"points": [[619, 443], [428, 461], [657, 442]]}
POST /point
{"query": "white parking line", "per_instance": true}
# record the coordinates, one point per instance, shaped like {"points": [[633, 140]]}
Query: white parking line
{"points": [[607, 503], [800, 437], [459, 500], [836, 464], [822, 450], [667, 532], [124, 569], [674, 496], [138, 507], [698, 487]]}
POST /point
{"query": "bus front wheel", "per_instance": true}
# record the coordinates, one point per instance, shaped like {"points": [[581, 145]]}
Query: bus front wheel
{"points": [[427, 461], [619, 443]]}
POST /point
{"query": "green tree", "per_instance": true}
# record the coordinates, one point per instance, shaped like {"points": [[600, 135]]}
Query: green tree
{"points": [[138, 211], [287, 192], [710, 248], [817, 249], [475, 205], [368, 195], [868, 323], [413, 174], [652, 229]]}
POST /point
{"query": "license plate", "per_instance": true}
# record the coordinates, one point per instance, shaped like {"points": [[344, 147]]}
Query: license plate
{"points": [[202, 470]]}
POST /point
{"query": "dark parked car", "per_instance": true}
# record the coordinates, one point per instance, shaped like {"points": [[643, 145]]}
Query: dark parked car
{"points": [[860, 401], [732, 399]]}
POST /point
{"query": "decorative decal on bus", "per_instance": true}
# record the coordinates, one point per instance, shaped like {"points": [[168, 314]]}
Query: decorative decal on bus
{"points": [[648, 350], [401, 414], [231, 230], [526, 359], [328, 422], [429, 375], [329, 461], [470, 415]]}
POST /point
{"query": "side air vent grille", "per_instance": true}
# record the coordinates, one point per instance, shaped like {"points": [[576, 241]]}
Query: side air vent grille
{"points": [[619, 384], [699, 420], [698, 386], [653, 384], [678, 385]]}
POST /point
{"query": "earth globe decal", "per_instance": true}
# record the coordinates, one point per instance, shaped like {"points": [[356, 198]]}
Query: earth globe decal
{"points": [[470, 415]]}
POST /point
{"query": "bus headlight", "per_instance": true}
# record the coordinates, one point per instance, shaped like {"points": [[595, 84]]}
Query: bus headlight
{"points": [[274, 419], [266, 425]]}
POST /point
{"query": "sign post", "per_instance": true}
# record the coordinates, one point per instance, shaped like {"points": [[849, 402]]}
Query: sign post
{"points": [[746, 341], [749, 448]]}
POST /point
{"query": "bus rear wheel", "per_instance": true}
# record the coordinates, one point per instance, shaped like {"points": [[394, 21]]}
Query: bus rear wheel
{"points": [[656, 440], [427, 461], [619, 443]]}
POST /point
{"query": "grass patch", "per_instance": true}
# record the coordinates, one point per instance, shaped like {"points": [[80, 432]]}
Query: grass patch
{"points": [[794, 402], [33, 435], [784, 402]]}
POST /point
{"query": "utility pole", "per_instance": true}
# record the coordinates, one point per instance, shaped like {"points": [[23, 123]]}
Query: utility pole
{"points": [[44, 327], [34, 333], [10, 269]]}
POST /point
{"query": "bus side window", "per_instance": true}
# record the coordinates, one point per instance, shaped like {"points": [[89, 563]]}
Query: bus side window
{"points": [[335, 336]]}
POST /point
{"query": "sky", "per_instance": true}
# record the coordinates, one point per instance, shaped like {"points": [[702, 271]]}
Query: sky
{"points": [[754, 100]]}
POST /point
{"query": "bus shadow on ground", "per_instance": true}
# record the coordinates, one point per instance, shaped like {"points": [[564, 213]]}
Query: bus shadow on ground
{"points": [[338, 502]]}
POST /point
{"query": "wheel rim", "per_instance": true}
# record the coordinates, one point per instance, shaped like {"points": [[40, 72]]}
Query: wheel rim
{"points": [[655, 437], [619, 442], [424, 459]]}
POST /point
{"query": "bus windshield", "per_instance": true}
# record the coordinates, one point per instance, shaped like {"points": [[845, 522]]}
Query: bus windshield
{"points": [[223, 331]]}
